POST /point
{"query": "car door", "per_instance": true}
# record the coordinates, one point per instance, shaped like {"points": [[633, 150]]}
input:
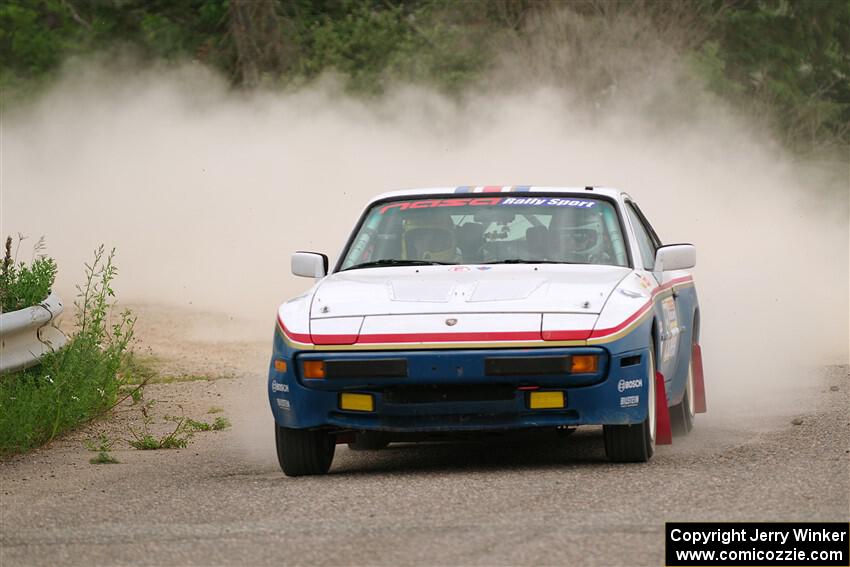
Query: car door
{"points": [[667, 308]]}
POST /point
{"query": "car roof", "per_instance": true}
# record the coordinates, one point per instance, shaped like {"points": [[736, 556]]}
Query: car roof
{"points": [[469, 189]]}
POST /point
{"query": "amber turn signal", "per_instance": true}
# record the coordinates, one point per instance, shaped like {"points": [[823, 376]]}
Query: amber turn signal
{"points": [[314, 369], [584, 363], [280, 365]]}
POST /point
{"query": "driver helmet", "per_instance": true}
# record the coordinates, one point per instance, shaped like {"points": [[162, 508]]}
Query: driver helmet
{"points": [[428, 234], [578, 236]]}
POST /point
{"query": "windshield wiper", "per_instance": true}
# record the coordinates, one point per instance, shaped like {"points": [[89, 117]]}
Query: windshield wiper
{"points": [[521, 261], [391, 262]]}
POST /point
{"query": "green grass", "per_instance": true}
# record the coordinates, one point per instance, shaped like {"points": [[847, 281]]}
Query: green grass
{"points": [[218, 424], [198, 425], [104, 458], [176, 378], [149, 442], [77, 383], [146, 369], [102, 445]]}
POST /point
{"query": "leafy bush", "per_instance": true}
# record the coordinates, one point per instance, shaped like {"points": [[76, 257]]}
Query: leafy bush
{"points": [[78, 382], [23, 285]]}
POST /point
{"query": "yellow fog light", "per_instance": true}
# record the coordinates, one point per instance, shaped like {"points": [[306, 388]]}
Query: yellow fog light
{"points": [[280, 365], [356, 402], [314, 369], [584, 363], [546, 400]]}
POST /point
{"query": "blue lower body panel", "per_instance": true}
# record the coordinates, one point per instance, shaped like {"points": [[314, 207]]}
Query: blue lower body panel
{"points": [[451, 390]]}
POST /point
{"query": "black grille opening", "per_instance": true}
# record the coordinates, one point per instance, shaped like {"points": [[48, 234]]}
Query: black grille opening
{"points": [[435, 393], [373, 368], [526, 365], [630, 360]]}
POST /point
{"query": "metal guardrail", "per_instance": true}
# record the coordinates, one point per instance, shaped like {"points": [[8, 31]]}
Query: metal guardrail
{"points": [[28, 334]]}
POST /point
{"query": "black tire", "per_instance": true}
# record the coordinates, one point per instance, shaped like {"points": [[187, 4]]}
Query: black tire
{"points": [[369, 441], [682, 414], [634, 443], [304, 451]]}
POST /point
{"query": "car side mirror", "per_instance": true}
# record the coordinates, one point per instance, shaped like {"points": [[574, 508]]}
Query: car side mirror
{"points": [[675, 257], [309, 264]]}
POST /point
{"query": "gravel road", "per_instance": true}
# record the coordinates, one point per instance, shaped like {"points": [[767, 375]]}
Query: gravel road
{"points": [[514, 501]]}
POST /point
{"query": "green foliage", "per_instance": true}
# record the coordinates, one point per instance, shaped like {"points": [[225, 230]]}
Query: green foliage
{"points": [[23, 285], [104, 458], [360, 41], [76, 383], [198, 425], [102, 446], [371, 42], [177, 438], [787, 60], [218, 424], [146, 442]]}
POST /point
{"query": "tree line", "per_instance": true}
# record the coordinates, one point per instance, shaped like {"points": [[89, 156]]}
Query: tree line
{"points": [[786, 59]]}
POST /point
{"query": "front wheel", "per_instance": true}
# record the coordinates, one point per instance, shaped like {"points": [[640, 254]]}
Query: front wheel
{"points": [[682, 414], [304, 451], [635, 443]]}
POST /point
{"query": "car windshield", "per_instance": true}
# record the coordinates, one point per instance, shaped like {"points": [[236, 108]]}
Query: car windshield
{"points": [[481, 230]]}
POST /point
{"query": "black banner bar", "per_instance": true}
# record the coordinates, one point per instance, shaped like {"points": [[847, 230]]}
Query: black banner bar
{"points": [[816, 544]]}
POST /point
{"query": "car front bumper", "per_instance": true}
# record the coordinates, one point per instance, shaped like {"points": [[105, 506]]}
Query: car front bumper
{"points": [[449, 390]]}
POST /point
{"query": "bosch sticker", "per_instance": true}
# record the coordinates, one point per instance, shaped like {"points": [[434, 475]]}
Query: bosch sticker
{"points": [[278, 387], [624, 385]]}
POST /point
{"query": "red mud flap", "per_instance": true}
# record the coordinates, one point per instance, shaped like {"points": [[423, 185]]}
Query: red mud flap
{"points": [[699, 381], [663, 430]]}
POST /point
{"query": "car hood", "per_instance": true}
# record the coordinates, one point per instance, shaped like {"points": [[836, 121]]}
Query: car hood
{"points": [[501, 289]]}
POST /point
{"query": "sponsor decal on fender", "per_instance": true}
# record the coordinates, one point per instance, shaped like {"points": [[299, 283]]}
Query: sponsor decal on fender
{"points": [[629, 401], [624, 385], [278, 387], [283, 404]]}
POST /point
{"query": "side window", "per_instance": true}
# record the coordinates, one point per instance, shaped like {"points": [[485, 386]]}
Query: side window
{"points": [[648, 226], [645, 240]]}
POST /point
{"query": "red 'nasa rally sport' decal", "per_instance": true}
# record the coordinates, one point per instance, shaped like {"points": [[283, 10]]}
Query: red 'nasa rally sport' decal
{"points": [[480, 201]]}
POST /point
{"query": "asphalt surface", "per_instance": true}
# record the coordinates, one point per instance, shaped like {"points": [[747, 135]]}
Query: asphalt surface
{"points": [[505, 501]]}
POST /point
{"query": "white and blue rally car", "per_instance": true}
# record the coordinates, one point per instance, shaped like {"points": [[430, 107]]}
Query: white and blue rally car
{"points": [[489, 309]]}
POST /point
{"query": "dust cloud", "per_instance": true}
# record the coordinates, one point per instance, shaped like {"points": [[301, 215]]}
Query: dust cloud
{"points": [[205, 193]]}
